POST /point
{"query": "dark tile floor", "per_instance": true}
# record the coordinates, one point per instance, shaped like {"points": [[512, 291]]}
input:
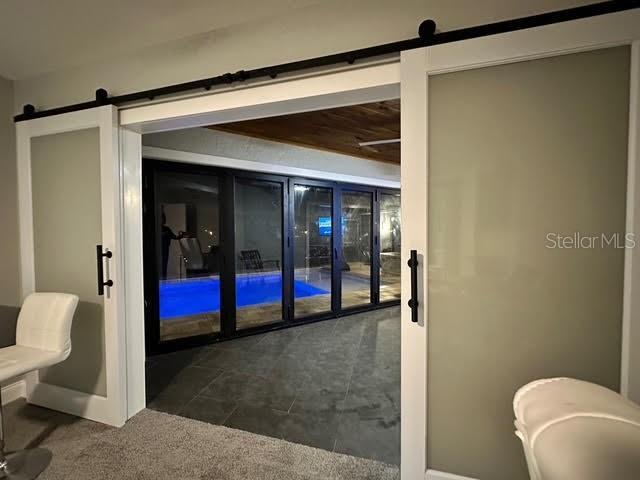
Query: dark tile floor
{"points": [[333, 385]]}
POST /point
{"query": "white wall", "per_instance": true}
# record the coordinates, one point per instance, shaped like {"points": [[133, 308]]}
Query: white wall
{"points": [[223, 144], [328, 27], [9, 277]]}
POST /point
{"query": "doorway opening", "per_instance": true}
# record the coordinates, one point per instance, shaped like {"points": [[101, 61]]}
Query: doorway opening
{"points": [[256, 226]]}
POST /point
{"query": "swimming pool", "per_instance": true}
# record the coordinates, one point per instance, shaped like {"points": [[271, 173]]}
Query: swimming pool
{"points": [[192, 296]]}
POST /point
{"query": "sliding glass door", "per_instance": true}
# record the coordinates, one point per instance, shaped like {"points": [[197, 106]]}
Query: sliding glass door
{"points": [[390, 241], [229, 252], [313, 248], [356, 266], [259, 227], [187, 254]]}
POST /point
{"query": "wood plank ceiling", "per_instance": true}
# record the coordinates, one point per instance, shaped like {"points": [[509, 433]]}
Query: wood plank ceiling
{"points": [[338, 130]]}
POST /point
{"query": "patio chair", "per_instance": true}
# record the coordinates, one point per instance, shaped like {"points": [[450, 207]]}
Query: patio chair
{"points": [[252, 261]]}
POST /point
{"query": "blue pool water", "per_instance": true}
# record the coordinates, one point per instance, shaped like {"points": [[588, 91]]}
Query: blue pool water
{"points": [[202, 295]]}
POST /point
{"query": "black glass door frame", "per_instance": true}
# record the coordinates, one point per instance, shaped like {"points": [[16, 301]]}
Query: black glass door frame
{"points": [[151, 170], [378, 217], [335, 240], [342, 188], [227, 181], [286, 267]]}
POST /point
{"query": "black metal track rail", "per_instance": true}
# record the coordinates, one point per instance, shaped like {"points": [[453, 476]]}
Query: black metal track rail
{"points": [[427, 36]]}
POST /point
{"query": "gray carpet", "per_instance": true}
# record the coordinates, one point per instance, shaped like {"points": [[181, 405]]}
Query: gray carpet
{"points": [[155, 445]]}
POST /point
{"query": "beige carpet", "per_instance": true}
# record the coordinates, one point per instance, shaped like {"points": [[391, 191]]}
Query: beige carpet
{"points": [[155, 445]]}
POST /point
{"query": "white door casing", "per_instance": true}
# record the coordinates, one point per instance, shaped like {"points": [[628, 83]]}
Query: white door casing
{"points": [[364, 83], [111, 408]]}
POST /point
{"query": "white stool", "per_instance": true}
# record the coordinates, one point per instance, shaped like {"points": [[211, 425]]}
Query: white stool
{"points": [[43, 338], [575, 429]]}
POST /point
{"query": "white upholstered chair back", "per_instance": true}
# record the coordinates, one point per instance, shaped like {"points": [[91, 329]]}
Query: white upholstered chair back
{"points": [[45, 322]]}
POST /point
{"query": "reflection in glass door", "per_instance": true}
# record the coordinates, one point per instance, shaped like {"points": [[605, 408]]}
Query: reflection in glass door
{"points": [[389, 246], [355, 217], [313, 249], [258, 249], [188, 254]]}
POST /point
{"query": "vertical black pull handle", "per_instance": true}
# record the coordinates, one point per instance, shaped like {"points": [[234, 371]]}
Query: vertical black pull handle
{"points": [[413, 301], [99, 263]]}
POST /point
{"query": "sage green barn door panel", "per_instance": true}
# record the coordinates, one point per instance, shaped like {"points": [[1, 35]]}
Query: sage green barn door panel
{"points": [[67, 226], [520, 155]]}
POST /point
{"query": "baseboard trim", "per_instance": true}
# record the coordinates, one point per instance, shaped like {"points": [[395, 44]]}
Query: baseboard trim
{"points": [[14, 391], [436, 475]]}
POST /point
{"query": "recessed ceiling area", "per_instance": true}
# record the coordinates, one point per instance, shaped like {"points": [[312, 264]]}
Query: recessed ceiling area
{"points": [[347, 130]]}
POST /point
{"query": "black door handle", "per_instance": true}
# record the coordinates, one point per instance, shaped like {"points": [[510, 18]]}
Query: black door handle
{"points": [[101, 283], [413, 301]]}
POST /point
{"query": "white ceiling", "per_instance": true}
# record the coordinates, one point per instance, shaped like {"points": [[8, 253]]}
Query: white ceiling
{"points": [[39, 36]]}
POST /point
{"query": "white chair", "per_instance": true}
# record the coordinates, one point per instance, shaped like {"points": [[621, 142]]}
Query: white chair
{"points": [[43, 338], [575, 429]]}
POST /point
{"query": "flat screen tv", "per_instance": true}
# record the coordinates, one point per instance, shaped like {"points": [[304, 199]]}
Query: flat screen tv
{"points": [[324, 226]]}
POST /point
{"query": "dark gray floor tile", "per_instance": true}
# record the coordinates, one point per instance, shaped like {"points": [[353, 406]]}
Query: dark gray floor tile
{"points": [[313, 429], [361, 400], [375, 436], [291, 366], [276, 393], [263, 421], [189, 356], [368, 373], [277, 341], [243, 343], [318, 400], [374, 381], [263, 363], [269, 392], [229, 387], [228, 359], [208, 410], [334, 382], [179, 389]]}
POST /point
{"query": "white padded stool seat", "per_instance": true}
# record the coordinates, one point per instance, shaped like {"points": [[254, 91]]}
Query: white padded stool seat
{"points": [[542, 401], [43, 334], [575, 429], [17, 360], [589, 448]]}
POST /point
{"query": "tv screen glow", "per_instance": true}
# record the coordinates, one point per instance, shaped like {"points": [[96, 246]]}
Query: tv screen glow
{"points": [[324, 226]]}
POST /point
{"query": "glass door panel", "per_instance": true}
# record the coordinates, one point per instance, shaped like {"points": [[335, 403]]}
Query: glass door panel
{"points": [[65, 167], [355, 219], [313, 249], [258, 249], [548, 161], [188, 254], [390, 261]]}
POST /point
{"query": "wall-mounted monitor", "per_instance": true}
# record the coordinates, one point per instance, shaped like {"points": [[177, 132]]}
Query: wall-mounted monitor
{"points": [[324, 226]]}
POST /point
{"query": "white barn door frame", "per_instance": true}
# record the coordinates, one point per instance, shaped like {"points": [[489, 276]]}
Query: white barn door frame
{"points": [[416, 67], [364, 83], [109, 409]]}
